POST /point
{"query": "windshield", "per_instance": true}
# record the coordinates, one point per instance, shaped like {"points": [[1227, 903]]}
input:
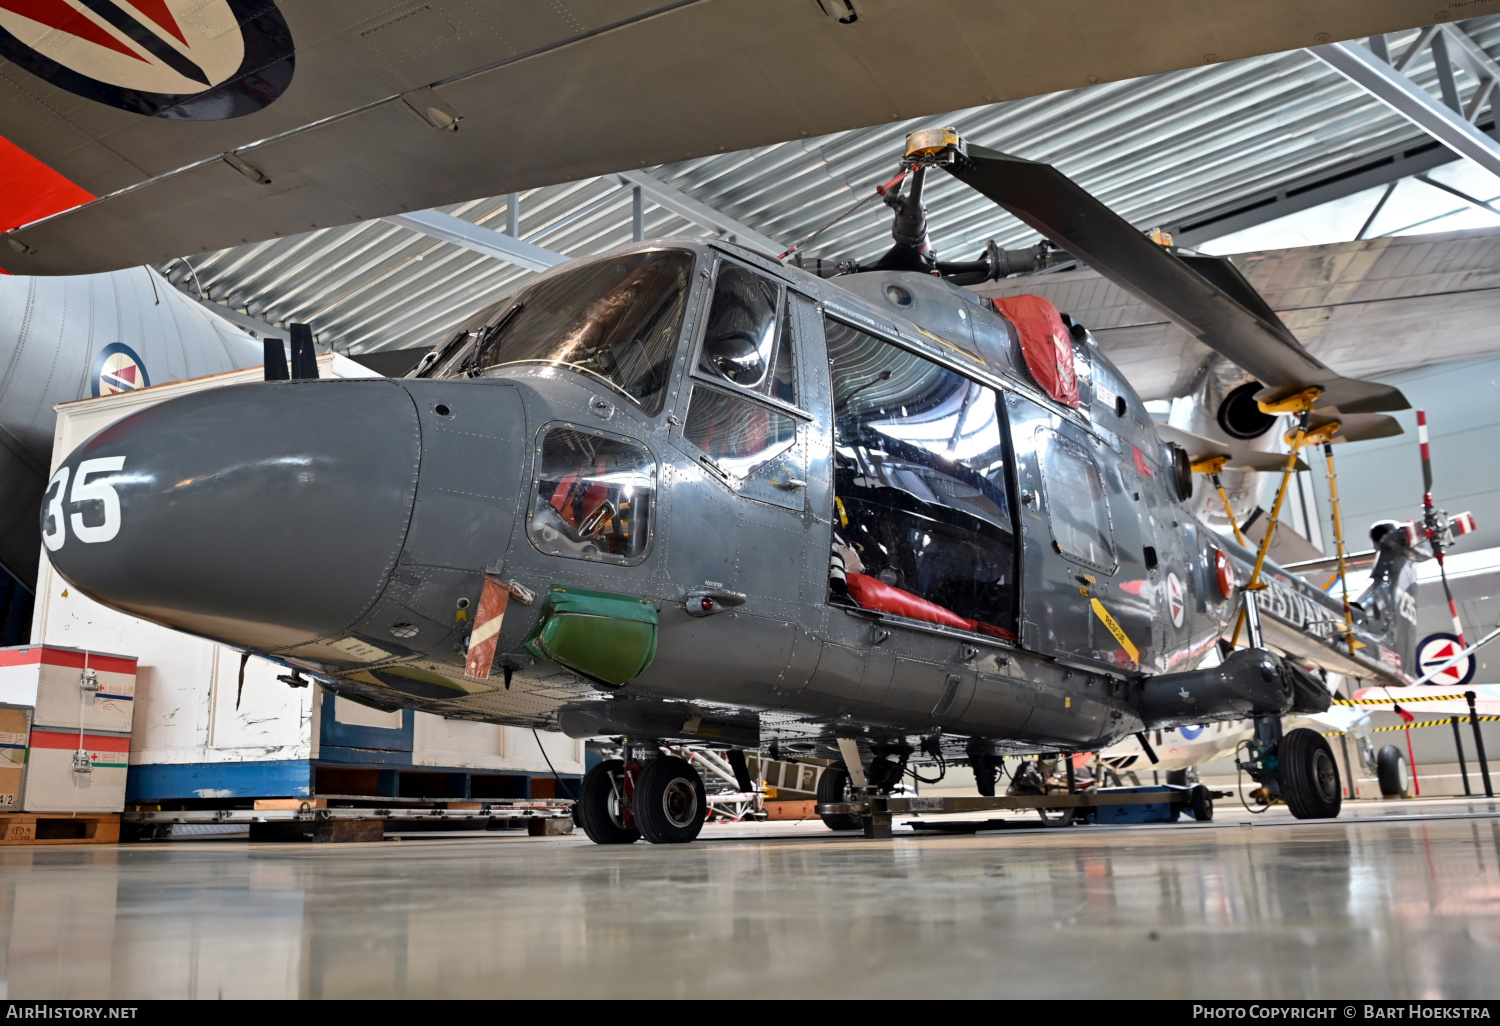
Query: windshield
{"points": [[616, 320]]}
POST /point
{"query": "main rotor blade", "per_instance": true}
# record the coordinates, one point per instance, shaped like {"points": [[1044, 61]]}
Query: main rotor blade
{"points": [[1207, 296], [1241, 456]]}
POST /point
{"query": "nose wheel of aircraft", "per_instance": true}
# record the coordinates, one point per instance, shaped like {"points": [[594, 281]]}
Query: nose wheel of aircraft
{"points": [[1390, 770], [1310, 783], [670, 801], [601, 805]]}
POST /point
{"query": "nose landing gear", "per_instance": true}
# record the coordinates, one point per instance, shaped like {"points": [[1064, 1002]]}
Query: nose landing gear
{"points": [[658, 797]]}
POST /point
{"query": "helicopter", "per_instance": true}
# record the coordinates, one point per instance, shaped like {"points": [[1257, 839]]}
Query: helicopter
{"points": [[689, 493]]}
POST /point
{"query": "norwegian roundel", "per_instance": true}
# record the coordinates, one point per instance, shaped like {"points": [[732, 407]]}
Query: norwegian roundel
{"points": [[1435, 650], [187, 60], [1175, 602], [118, 368]]}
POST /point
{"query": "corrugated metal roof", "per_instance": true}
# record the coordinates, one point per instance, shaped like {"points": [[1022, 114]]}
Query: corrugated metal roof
{"points": [[1156, 150]]}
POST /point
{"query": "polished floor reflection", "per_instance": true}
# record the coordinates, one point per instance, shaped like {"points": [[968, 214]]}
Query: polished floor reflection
{"points": [[1398, 900]]}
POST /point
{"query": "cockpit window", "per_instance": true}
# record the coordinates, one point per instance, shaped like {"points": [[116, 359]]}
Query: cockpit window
{"points": [[616, 320], [743, 344]]}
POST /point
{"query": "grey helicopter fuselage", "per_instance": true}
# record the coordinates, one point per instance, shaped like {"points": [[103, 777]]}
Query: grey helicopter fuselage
{"points": [[348, 527]]}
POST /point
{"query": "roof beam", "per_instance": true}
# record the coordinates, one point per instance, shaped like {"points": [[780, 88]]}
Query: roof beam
{"points": [[477, 238], [1308, 192], [1447, 124], [683, 205]]}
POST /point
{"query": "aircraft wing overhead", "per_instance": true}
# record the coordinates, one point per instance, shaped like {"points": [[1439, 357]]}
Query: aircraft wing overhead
{"points": [[324, 112], [1207, 296]]}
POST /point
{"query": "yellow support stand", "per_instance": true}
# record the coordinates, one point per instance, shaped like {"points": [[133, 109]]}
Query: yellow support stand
{"points": [[1299, 405], [1211, 466], [1338, 540]]}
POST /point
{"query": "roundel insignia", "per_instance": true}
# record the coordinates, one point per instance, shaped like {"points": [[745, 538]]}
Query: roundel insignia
{"points": [[1174, 599], [118, 368], [1190, 733], [1435, 650], [186, 60]]}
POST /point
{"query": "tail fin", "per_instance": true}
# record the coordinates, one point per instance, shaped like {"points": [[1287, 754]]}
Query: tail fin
{"points": [[1389, 604]]}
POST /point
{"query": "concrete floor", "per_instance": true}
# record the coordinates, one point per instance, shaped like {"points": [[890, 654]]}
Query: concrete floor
{"points": [[1394, 900]]}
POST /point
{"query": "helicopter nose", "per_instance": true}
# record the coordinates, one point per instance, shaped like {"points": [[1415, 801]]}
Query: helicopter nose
{"points": [[265, 515]]}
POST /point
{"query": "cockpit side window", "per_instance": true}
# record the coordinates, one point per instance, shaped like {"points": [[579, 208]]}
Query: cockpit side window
{"points": [[748, 341], [923, 509], [615, 320]]}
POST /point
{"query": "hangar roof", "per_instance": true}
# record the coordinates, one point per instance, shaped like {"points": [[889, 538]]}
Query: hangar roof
{"points": [[1171, 150]]}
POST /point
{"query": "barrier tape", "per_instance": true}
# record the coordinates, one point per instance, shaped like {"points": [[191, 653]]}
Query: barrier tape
{"points": [[1399, 701], [1414, 726]]}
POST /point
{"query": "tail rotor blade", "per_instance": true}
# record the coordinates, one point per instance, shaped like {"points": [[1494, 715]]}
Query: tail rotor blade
{"points": [[1426, 457]]}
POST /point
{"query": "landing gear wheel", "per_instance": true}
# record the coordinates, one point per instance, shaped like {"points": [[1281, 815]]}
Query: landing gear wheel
{"points": [[1201, 803], [670, 802], [986, 773], [833, 787], [1310, 783], [601, 805], [1178, 778], [1390, 770]]}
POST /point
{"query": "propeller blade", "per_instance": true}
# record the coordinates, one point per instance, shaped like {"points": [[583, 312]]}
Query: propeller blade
{"points": [[1430, 523], [1207, 296], [1426, 456], [1359, 427]]}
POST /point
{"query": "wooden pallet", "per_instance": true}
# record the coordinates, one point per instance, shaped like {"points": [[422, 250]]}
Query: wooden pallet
{"points": [[59, 828]]}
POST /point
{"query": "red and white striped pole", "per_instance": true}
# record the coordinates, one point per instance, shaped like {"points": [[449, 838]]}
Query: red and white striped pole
{"points": [[1430, 525]]}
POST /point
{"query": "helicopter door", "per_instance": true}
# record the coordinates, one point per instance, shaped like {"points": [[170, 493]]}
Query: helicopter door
{"points": [[1078, 595], [736, 518]]}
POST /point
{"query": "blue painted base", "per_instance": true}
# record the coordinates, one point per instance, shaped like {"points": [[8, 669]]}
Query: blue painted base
{"points": [[291, 778], [294, 778]]}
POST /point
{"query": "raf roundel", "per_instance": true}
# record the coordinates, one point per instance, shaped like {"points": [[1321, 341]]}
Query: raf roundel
{"points": [[119, 369], [1437, 649], [184, 60]]}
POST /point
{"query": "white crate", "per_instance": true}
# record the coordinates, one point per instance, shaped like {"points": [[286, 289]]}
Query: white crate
{"points": [[52, 680], [68, 771]]}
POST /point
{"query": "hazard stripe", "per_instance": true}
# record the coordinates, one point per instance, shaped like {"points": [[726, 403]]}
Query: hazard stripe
{"points": [[30, 190], [1401, 701], [1414, 726]]}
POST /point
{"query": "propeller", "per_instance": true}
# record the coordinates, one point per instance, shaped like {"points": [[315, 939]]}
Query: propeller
{"points": [[1434, 524], [1207, 296]]}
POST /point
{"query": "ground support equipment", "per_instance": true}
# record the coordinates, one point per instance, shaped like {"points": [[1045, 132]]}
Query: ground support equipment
{"points": [[311, 820], [877, 812]]}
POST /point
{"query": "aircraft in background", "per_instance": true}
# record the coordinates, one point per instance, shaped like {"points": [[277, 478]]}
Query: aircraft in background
{"points": [[67, 338], [143, 132]]}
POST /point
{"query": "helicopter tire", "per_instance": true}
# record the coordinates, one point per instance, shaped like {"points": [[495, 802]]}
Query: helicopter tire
{"points": [[1390, 770], [833, 786], [1201, 804], [670, 801], [600, 806], [1177, 778], [1310, 783]]}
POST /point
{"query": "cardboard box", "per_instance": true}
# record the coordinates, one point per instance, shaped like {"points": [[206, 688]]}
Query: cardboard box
{"points": [[51, 679], [15, 734], [73, 772]]}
